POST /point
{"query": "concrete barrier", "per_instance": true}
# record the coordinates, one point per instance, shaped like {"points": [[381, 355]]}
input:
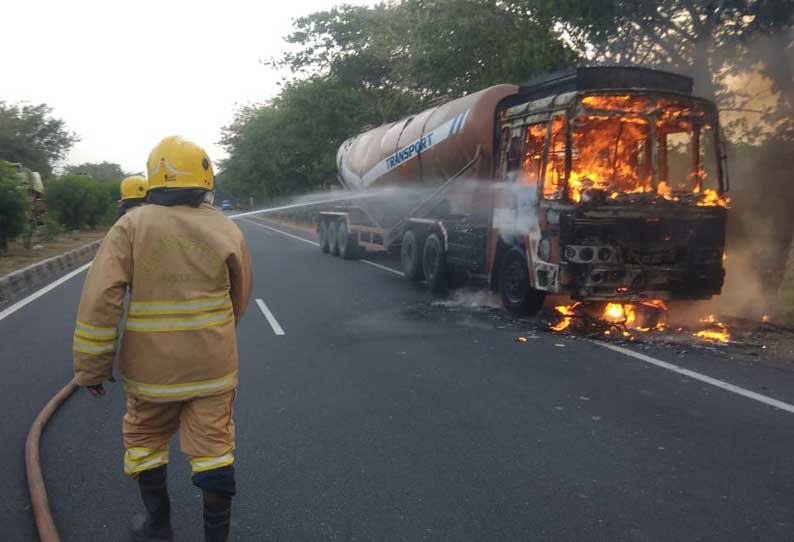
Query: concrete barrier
{"points": [[15, 285]]}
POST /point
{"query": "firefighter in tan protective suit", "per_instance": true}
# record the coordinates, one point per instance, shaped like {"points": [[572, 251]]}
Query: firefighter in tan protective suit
{"points": [[133, 193], [189, 273]]}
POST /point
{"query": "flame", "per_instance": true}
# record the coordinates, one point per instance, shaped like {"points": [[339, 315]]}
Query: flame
{"points": [[713, 335], [611, 150], [624, 319], [568, 311], [618, 313], [715, 332], [765, 318], [711, 198], [562, 325]]}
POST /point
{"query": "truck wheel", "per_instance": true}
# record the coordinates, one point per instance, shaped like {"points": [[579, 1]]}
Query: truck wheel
{"points": [[322, 230], [333, 245], [518, 297], [411, 256], [434, 263], [347, 242]]}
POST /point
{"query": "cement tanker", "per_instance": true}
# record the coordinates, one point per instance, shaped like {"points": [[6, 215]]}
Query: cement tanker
{"points": [[597, 183]]}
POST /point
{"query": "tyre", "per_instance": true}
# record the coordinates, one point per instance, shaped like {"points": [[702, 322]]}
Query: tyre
{"points": [[411, 256], [347, 242], [434, 263], [333, 245], [518, 297], [322, 231]]}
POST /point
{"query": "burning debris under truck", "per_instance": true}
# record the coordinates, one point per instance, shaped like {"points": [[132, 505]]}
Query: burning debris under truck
{"points": [[605, 185]]}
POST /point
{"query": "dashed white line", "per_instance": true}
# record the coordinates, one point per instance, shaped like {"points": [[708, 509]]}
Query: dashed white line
{"points": [[373, 264], [701, 377], [270, 318], [35, 295]]}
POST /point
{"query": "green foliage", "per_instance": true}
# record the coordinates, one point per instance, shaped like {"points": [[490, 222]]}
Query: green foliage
{"points": [[31, 135], [101, 171], [14, 205], [79, 200], [707, 40], [357, 65], [51, 227]]}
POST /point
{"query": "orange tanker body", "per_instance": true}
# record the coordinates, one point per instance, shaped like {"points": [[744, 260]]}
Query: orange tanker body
{"points": [[598, 183]]}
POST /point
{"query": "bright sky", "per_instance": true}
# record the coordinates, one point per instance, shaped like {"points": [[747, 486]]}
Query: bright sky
{"points": [[123, 75]]}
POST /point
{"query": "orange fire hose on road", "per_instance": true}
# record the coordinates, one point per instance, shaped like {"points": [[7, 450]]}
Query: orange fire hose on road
{"points": [[38, 492]]}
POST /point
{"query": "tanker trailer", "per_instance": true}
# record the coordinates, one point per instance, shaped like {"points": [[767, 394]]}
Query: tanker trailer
{"points": [[599, 183]]}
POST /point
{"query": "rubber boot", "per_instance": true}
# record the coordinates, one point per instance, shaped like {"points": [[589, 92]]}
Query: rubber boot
{"points": [[155, 526], [217, 516]]}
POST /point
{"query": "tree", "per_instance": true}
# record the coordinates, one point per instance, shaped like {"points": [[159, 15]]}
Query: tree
{"points": [[100, 171], [356, 65], [14, 205], [31, 135], [78, 200]]}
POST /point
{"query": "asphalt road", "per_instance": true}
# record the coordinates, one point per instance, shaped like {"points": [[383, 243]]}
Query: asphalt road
{"points": [[381, 415]]}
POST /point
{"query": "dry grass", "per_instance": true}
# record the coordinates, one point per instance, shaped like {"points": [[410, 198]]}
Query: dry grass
{"points": [[19, 257]]}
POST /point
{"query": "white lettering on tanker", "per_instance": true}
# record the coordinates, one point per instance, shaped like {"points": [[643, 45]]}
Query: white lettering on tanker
{"points": [[412, 150]]}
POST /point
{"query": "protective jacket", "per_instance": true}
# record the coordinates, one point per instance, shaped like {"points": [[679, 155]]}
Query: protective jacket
{"points": [[189, 274]]}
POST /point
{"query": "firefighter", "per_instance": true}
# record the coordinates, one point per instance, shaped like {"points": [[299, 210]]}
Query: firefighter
{"points": [[133, 193], [189, 273]]}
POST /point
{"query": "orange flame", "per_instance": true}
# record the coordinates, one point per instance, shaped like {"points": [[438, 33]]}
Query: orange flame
{"points": [[567, 311], [715, 332], [713, 335], [611, 150]]}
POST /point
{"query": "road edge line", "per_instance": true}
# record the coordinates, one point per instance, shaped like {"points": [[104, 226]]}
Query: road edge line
{"points": [[5, 313], [383, 267], [36, 488], [727, 386], [299, 238]]}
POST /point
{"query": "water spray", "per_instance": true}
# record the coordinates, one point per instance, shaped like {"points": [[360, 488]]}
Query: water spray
{"points": [[287, 207]]}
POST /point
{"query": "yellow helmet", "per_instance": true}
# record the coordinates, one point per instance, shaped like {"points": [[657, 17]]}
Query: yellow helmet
{"points": [[178, 163], [133, 187]]}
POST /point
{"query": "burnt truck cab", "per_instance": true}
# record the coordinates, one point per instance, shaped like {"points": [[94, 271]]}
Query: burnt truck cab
{"points": [[613, 185]]}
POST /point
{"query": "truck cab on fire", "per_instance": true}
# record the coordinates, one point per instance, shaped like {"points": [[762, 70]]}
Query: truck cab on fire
{"points": [[597, 183]]}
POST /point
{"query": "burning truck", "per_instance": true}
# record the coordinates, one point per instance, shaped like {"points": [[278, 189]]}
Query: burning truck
{"points": [[600, 183]]}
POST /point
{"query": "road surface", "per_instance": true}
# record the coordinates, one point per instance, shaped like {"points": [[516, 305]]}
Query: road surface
{"points": [[368, 412]]}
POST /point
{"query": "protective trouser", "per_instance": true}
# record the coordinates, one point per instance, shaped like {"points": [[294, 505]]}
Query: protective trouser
{"points": [[206, 436]]}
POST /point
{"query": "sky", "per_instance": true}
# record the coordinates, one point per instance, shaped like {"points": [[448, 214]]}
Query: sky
{"points": [[123, 75]]}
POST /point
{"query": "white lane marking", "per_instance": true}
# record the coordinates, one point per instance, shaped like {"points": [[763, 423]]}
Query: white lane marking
{"points": [[379, 266], [701, 377], [35, 295], [373, 264], [270, 318], [282, 232]]}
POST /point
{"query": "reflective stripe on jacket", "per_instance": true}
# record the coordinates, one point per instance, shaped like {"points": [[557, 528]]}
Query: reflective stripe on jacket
{"points": [[189, 274]]}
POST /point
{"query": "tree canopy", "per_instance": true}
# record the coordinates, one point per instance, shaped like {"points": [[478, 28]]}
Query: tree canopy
{"points": [[101, 171], [354, 66], [29, 134]]}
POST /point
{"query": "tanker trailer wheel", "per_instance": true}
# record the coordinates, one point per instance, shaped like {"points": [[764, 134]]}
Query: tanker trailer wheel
{"points": [[322, 230], [411, 256], [333, 245], [518, 297], [434, 263], [347, 242]]}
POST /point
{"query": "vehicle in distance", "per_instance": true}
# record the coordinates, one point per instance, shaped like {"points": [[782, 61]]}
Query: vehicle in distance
{"points": [[600, 183], [226, 205]]}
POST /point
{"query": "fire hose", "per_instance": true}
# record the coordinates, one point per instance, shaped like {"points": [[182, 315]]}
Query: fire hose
{"points": [[38, 492]]}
